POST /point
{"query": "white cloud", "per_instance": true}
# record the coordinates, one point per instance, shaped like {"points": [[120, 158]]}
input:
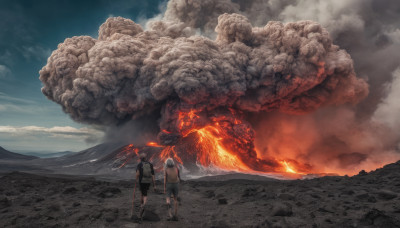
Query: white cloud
{"points": [[5, 72], [65, 132]]}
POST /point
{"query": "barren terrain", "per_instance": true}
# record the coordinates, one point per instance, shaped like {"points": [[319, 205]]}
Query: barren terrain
{"points": [[365, 200]]}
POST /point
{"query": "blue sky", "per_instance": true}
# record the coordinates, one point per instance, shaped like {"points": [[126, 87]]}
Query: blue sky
{"points": [[29, 32]]}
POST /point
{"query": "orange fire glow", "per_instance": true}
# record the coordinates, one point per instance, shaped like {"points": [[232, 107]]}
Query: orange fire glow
{"points": [[154, 144], [213, 151], [288, 168], [224, 142]]}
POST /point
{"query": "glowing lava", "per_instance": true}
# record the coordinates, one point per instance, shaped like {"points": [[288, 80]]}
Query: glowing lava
{"points": [[213, 151], [223, 141], [288, 169]]}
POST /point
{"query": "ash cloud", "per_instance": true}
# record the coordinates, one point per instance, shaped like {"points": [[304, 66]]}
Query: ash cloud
{"points": [[369, 31], [220, 53], [128, 72]]}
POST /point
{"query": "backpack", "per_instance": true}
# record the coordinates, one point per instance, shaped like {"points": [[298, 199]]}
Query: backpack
{"points": [[146, 176]]}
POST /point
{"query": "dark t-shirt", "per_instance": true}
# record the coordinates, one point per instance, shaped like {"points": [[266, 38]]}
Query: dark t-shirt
{"points": [[140, 168]]}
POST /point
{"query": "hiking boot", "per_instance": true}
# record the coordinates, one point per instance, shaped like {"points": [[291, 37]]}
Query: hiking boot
{"points": [[175, 218]]}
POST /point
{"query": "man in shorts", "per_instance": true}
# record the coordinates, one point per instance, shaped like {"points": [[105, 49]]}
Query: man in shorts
{"points": [[171, 181], [145, 176]]}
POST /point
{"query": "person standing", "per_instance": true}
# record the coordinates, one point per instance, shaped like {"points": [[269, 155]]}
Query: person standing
{"points": [[145, 176], [171, 181]]}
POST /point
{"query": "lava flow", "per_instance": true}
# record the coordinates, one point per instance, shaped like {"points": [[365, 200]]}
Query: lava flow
{"points": [[221, 141]]}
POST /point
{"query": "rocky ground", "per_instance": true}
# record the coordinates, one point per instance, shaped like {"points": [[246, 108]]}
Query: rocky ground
{"points": [[366, 200]]}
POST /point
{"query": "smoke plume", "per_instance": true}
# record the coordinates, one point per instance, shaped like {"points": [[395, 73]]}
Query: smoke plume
{"points": [[128, 72], [266, 59]]}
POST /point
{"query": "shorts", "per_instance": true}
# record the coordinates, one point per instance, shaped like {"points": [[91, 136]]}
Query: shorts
{"points": [[172, 188], [144, 187]]}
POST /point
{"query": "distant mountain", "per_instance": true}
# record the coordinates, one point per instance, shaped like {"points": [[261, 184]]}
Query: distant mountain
{"points": [[85, 162], [49, 154], [7, 155], [84, 159], [89, 155]]}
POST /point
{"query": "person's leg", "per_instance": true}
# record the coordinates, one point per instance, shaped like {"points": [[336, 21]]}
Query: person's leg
{"points": [[144, 188], [168, 200], [144, 200], [175, 201], [169, 206], [175, 206], [142, 207]]}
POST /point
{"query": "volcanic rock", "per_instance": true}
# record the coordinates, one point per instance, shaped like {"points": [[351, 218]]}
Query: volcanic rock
{"points": [[4, 202], [76, 204], [378, 218], [209, 194], [282, 209], [362, 196], [26, 203], [70, 190], [110, 214], [222, 201], [362, 173], [372, 199], [109, 192], [39, 199], [286, 196], [150, 215], [268, 203], [386, 195]]}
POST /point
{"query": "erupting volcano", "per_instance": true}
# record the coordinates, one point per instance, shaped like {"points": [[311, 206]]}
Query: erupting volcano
{"points": [[222, 140], [202, 92]]}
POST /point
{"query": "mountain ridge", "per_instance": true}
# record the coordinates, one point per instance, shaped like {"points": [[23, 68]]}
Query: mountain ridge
{"points": [[8, 155]]}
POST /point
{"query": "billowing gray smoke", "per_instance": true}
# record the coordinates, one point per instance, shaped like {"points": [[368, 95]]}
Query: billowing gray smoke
{"points": [[367, 29], [346, 138], [199, 57], [128, 72]]}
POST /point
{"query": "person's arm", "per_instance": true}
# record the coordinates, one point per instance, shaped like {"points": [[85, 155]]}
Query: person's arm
{"points": [[137, 176], [165, 181], [153, 177], [179, 175], [154, 183]]}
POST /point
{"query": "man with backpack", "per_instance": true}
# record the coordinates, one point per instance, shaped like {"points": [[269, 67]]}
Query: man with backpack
{"points": [[145, 176]]}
